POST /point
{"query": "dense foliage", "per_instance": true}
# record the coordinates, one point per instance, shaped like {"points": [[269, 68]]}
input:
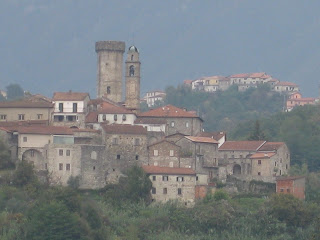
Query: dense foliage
{"points": [[224, 110], [299, 129]]}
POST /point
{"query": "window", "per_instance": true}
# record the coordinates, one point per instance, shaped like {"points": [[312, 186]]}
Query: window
{"points": [[104, 117], [155, 153], [118, 156], [21, 116], [281, 190], [60, 166], [60, 107], [280, 172], [124, 117], [131, 57], [94, 168], [259, 162], [180, 179], [275, 164], [241, 156], [115, 141], [46, 166], [288, 190], [93, 155], [131, 71], [25, 139], [154, 178], [74, 107], [137, 157], [115, 117], [259, 173], [187, 124], [171, 153], [153, 190], [286, 166], [165, 190], [68, 153], [197, 178], [172, 124], [137, 141], [3, 117], [60, 152], [108, 90], [179, 191], [165, 178], [68, 166], [32, 153], [39, 116]]}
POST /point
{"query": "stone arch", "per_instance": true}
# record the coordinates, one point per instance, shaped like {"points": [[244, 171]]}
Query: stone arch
{"points": [[34, 157], [75, 127], [131, 71], [236, 169]]}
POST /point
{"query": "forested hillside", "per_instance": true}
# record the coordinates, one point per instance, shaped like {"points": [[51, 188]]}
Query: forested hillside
{"points": [[299, 129], [224, 110]]}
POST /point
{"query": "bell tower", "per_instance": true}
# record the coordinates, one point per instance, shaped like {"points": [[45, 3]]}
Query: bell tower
{"points": [[133, 79]]}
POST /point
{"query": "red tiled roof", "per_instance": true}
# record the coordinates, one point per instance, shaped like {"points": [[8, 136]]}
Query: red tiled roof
{"points": [[187, 82], [124, 129], [215, 135], [201, 139], [168, 170], [262, 75], [301, 100], [109, 108], [270, 146], [69, 96], [273, 80], [149, 121], [43, 130], [169, 111], [289, 178], [92, 117], [286, 84], [25, 104], [240, 75], [241, 145], [262, 155]]}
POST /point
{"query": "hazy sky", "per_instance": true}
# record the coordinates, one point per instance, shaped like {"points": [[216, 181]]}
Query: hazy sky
{"points": [[48, 46]]}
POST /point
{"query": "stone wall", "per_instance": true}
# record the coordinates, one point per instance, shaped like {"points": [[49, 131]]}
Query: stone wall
{"points": [[164, 154]]}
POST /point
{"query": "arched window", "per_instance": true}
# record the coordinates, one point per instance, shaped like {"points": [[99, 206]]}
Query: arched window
{"points": [[131, 71], [108, 90], [131, 57]]}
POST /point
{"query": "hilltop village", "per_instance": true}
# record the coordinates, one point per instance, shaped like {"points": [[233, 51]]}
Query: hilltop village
{"points": [[74, 135]]}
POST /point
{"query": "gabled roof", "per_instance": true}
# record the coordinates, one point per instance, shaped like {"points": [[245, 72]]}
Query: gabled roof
{"points": [[149, 121], [124, 129], [43, 130], [201, 139], [92, 117], [168, 170], [286, 84], [69, 96], [110, 108], [241, 145], [169, 111], [271, 146], [163, 141], [260, 155], [26, 104], [251, 75], [215, 135]]}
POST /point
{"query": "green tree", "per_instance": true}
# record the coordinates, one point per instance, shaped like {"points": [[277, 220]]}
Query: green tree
{"points": [[257, 133], [53, 221], [14, 91], [24, 174], [5, 158]]}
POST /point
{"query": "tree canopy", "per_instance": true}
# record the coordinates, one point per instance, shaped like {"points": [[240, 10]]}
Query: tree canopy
{"points": [[14, 92]]}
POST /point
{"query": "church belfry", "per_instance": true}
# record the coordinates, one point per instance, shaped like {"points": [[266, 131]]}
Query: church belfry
{"points": [[133, 79]]}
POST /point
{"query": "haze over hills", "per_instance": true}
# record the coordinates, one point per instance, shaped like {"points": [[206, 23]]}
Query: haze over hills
{"points": [[48, 46]]}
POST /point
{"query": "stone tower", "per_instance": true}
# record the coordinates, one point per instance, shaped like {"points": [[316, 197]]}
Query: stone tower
{"points": [[109, 75], [133, 79]]}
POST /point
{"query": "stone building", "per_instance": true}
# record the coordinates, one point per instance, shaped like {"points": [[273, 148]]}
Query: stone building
{"points": [[70, 109], [220, 137], [294, 185], [296, 99], [153, 97], [164, 154], [286, 87], [172, 184], [177, 120]]}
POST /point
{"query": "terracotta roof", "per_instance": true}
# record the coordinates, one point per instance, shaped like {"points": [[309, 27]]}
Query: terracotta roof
{"points": [[201, 139], [85, 130], [187, 82], [271, 146], [289, 178], [26, 104], [109, 108], [24, 123], [241, 145], [168, 170], [124, 129], [92, 117], [161, 141], [44, 130], [169, 111], [286, 84], [273, 80], [262, 155], [301, 99], [215, 135], [69, 96], [240, 75], [149, 121]]}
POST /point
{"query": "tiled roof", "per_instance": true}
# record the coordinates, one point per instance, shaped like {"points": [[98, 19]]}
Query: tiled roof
{"points": [[149, 121], [273, 80], [92, 117], [201, 139], [241, 145], [188, 82], [168, 170], [271, 146], [109, 108], [24, 123], [289, 178], [301, 100], [161, 141], [286, 84], [85, 130], [262, 155], [262, 75], [124, 129], [43, 130], [69, 96], [240, 75], [215, 135], [169, 111], [25, 104]]}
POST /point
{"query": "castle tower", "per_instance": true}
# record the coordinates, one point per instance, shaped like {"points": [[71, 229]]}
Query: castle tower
{"points": [[133, 79], [109, 74]]}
